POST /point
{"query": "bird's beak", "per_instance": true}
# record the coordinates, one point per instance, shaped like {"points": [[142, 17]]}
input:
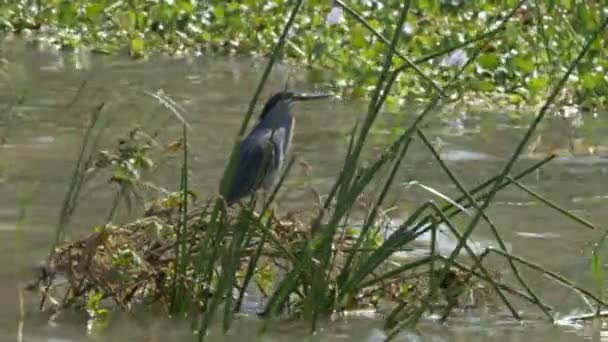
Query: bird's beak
{"points": [[310, 96]]}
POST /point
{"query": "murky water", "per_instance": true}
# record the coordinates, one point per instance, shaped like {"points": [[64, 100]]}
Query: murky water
{"points": [[43, 120]]}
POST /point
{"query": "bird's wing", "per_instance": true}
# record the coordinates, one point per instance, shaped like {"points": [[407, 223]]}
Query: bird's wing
{"points": [[258, 156]]}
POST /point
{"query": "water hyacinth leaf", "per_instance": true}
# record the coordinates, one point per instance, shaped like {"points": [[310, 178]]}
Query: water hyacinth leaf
{"points": [[67, 13], [483, 85], [357, 35], [538, 84], [137, 47], [93, 10], [585, 17], [524, 64], [592, 80], [218, 12], [489, 61]]}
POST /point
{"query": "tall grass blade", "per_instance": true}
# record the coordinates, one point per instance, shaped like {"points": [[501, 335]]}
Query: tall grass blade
{"points": [[78, 176], [378, 35], [552, 204], [494, 229], [558, 278], [216, 230], [179, 305], [506, 170]]}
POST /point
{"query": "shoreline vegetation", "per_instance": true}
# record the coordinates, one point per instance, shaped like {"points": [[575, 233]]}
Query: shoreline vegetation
{"points": [[199, 261], [339, 45]]}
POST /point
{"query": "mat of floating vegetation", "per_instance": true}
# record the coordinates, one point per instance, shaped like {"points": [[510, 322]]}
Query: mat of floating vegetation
{"points": [[121, 267]]}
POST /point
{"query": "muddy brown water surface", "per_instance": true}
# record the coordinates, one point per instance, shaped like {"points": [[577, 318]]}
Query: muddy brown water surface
{"points": [[43, 115]]}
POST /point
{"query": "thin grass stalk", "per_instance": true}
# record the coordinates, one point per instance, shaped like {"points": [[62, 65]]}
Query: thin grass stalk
{"points": [[395, 272], [276, 242], [434, 101], [231, 267], [413, 319], [364, 179], [345, 195], [334, 189], [393, 317], [215, 232], [178, 302], [552, 204], [371, 218], [319, 290], [454, 211], [204, 268], [79, 177], [433, 280], [478, 38], [506, 170], [400, 237], [221, 232], [378, 35], [281, 295], [114, 206], [167, 102], [76, 180], [83, 84], [237, 251], [502, 286], [540, 27], [416, 233], [224, 282], [185, 190], [478, 264], [493, 228], [560, 279], [482, 37], [251, 266], [427, 110], [255, 258], [373, 104]]}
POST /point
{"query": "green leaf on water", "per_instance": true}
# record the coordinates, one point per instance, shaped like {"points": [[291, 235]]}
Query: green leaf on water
{"points": [[218, 11], [482, 85], [357, 35], [93, 10], [489, 61], [538, 84], [137, 47], [591, 80], [515, 98], [585, 17], [524, 64]]}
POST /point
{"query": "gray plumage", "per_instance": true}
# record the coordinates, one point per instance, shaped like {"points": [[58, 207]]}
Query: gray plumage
{"points": [[262, 153]]}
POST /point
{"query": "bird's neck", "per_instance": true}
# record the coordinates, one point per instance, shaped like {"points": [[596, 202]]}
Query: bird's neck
{"points": [[284, 120]]}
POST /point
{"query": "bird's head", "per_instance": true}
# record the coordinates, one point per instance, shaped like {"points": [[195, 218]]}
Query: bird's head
{"points": [[281, 102]]}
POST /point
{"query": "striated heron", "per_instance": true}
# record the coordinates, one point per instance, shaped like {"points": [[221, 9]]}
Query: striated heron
{"points": [[262, 152]]}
